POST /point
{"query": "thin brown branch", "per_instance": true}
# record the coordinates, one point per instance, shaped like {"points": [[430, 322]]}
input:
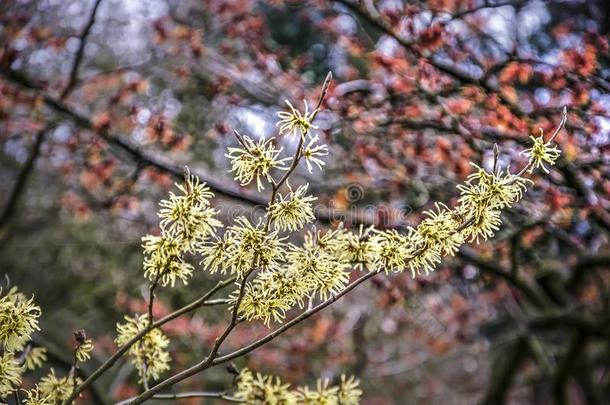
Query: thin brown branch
{"points": [[505, 371], [22, 178], [78, 57], [492, 268], [190, 394], [567, 366], [151, 293]]}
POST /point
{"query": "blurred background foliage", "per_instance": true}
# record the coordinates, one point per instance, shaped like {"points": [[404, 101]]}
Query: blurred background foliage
{"points": [[102, 103]]}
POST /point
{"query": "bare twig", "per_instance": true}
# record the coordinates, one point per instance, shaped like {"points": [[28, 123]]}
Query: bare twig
{"points": [[190, 394], [78, 57], [564, 119], [24, 174], [492, 268]]}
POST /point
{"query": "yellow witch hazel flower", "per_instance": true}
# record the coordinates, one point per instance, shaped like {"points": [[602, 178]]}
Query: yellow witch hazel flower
{"points": [[217, 253], [84, 346], [253, 247], [310, 270], [10, 374], [358, 248], [186, 222], [34, 357], [149, 356], [324, 394], [483, 196], [323, 273], [18, 319], [255, 160], [163, 261], [293, 122], [261, 301], [56, 389], [541, 152], [349, 393], [313, 152], [438, 231], [422, 257], [189, 216], [262, 390], [392, 250], [292, 211]]}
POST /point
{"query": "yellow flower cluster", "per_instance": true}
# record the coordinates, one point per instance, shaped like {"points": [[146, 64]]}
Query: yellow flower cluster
{"points": [[83, 350], [294, 122], [18, 319], [258, 389], [187, 220], [357, 249], [244, 246], [293, 211], [255, 160], [483, 197], [286, 275], [320, 267], [305, 272], [540, 153], [149, 356], [34, 357], [10, 374], [278, 275], [53, 389]]}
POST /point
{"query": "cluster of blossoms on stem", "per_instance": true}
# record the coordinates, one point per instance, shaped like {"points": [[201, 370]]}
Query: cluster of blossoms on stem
{"points": [[258, 389], [55, 389], [540, 153], [83, 350], [18, 354], [149, 355], [18, 320], [186, 221], [255, 160]]}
